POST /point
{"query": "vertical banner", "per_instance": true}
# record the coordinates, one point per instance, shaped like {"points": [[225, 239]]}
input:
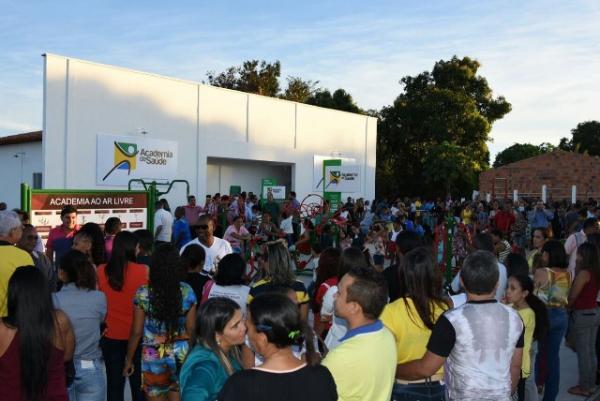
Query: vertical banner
{"points": [[265, 185], [334, 198]]}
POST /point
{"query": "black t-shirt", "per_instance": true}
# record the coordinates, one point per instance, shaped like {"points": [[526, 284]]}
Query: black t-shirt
{"points": [[197, 280], [307, 383], [391, 276]]}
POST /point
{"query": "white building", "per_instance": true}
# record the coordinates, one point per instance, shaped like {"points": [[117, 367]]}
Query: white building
{"points": [[217, 137], [20, 161]]}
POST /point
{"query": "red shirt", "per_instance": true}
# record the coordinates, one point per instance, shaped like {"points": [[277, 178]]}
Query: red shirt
{"points": [[119, 314], [10, 374], [588, 294], [504, 221]]}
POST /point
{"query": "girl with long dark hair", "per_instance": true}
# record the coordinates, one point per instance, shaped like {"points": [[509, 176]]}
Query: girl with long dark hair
{"points": [[327, 271], [86, 309], [35, 341], [97, 252], [412, 317], [552, 284], [119, 280], [164, 314], [274, 326], [220, 328], [585, 316], [535, 319]]}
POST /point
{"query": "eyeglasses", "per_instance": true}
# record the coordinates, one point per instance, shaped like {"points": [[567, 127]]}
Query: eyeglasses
{"points": [[32, 237], [202, 226]]}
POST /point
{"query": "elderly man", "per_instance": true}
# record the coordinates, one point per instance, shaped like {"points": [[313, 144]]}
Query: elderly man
{"points": [[11, 257], [28, 243]]}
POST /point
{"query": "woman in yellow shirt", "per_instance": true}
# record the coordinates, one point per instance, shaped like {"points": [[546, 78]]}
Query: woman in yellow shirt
{"points": [[411, 318], [535, 319]]}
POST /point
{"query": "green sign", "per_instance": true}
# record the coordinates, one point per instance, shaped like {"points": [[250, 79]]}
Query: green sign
{"points": [[334, 198], [266, 183]]}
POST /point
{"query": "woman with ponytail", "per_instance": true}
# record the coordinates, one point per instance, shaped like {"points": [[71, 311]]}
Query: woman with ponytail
{"points": [[535, 320], [274, 327]]}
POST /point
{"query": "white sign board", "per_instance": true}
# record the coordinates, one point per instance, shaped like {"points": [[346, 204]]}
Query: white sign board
{"points": [[342, 179], [318, 169], [130, 207], [278, 191], [122, 158]]}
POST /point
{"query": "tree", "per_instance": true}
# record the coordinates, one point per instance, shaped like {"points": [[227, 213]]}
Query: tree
{"points": [[432, 140], [252, 76], [262, 78], [340, 100], [299, 90], [585, 138], [520, 151]]}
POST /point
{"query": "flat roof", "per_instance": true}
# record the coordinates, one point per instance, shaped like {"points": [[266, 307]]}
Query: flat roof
{"points": [[35, 136]]}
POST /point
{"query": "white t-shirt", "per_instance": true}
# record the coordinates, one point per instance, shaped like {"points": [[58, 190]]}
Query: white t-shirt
{"points": [[237, 293], [214, 254], [286, 225], [339, 326], [164, 219]]}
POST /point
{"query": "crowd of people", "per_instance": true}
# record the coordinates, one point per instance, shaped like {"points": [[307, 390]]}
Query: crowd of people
{"points": [[252, 299]]}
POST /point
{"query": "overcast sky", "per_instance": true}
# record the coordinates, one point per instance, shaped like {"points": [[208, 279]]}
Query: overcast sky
{"points": [[543, 56]]}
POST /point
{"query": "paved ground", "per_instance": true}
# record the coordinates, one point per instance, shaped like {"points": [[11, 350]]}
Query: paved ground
{"points": [[569, 375]]}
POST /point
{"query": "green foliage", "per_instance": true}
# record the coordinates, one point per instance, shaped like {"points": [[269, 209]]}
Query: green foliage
{"points": [[521, 151], [340, 100], [299, 90], [262, 78], [432, 140], [585, 138], [252, 76]]}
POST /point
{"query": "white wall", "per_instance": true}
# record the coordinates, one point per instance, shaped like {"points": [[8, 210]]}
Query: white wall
{"points": [[84, 99], [18, 169]]}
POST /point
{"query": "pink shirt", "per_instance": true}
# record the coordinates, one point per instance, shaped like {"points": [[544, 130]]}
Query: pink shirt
{"points": [[235, 243], [192, 213]]}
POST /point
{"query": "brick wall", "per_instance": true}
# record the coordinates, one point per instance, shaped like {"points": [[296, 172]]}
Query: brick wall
{"points": [[558, 170]]}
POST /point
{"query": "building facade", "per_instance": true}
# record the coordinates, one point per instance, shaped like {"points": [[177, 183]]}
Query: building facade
{"points": [[559, 171]]}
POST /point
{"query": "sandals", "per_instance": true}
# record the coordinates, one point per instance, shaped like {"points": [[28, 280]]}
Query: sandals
{"points": [[577, 390]]}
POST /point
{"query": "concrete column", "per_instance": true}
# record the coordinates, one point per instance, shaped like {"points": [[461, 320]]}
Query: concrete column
{"points": [[515, 195], [544, 193]]}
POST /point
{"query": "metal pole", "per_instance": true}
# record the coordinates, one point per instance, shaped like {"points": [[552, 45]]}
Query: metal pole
{"points": [[574, 194]]}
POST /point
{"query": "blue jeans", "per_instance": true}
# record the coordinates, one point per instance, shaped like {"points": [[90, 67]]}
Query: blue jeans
{"points": [[90, 381], [558, 320], [419, 392]]}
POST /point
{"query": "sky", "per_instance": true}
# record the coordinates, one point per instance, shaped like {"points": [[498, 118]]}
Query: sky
{"points": [[543, 56]]}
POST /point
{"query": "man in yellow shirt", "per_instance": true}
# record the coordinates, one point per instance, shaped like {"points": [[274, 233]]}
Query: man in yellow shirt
{"points": [[11, 257], [364, 364]]}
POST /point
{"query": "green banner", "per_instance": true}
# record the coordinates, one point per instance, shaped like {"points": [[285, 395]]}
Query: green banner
{"points": [[334, 198]]}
